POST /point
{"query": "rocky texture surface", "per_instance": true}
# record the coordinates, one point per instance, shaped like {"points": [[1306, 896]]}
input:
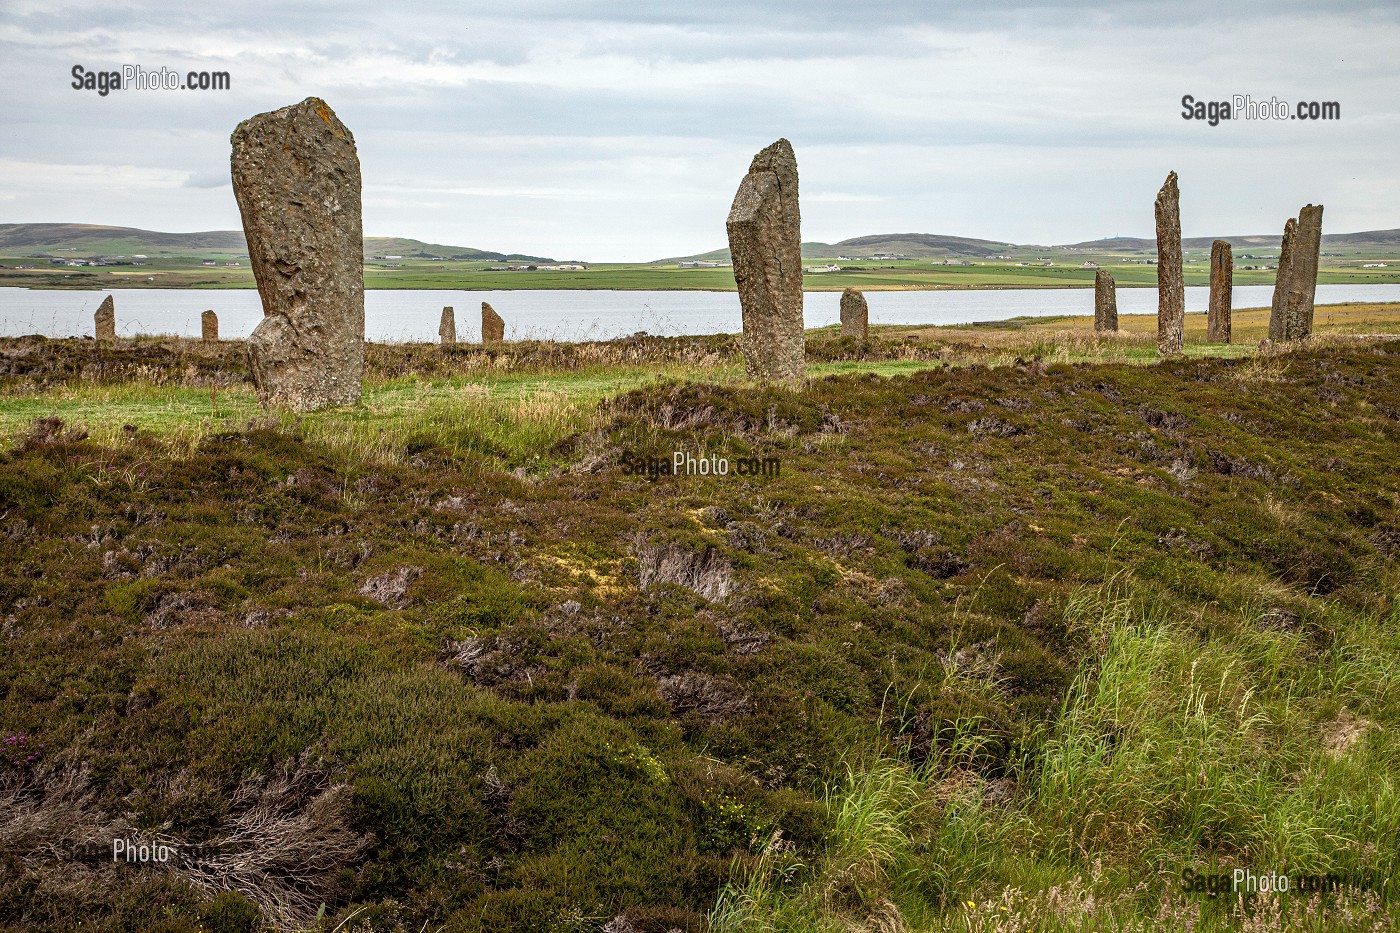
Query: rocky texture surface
{"points": [[105, 320], [1105, 303], [1222, 278], [1278, 318], [493, 326], [296, 176], [855, 314], [447, 327], [765, 241], [1171, 287], [209, 326], [1302, 285]]}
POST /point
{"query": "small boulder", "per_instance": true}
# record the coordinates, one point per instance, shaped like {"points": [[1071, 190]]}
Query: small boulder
{"points": [[493, 326]]}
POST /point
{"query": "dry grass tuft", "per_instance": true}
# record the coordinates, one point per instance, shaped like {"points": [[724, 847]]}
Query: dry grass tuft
{"points": [[286, 838], [707, 573]]}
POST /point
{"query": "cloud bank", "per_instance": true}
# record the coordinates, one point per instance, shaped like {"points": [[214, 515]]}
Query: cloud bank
{"points": [[620, 130]]}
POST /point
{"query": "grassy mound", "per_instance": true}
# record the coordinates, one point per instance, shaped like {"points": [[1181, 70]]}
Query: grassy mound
{"points": [[1039, 636]]}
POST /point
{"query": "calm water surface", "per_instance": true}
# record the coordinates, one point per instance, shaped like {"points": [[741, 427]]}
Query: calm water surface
{"points": [[412, 314]]}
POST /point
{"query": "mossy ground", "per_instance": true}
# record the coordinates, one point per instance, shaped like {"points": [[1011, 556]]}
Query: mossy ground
{"points": [[1036, 635]]}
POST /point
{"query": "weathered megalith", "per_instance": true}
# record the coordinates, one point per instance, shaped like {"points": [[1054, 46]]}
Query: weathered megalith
{"points": [[105, 320], [447, 327], [493, 326], [765, 243], [209, 327], [1171, 287], [1222, 278], [1105, 303], [1302, 284], [855, 314], [296, 176], [1283, 277]]}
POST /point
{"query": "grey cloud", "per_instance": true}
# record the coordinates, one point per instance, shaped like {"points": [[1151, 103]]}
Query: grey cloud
{"points": [[619, 129], [208, 179]]}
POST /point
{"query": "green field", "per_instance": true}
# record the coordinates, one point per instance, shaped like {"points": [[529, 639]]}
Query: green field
{"points": [[1340, 265]]}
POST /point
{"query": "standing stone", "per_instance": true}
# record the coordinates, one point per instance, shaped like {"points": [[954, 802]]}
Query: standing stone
{"points": [[493, 327], [209, 327], [1105, 303], [1171, 287], [447, 327], [1278, 314], [105, 320], [1302, 284], [296, 175], [765, 243], [855, 314], [1222, 279]]}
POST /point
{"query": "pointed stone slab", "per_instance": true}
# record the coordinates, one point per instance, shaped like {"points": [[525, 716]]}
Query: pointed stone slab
{"points": [[493, 326], [296, 176], [1222, 283], [765, 243], [209, 327], [447, 327], [1171, 287], [1302, 285], [1105, 303], [104, 322], [1278, 312], [855, 314]]}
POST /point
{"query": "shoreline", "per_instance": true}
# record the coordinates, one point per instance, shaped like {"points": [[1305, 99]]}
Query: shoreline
{"points": [[1014, 322], [608, 288]]}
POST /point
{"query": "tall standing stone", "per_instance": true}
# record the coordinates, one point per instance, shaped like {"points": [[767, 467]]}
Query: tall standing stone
{"points": [[447, 327], [1222, 279], [855, 314], [296, 176], [1283, 277], [1105, 303], [209, 327], [493, 327], [1302, 285], [765, 243], [104, 322], [1171, 287]]}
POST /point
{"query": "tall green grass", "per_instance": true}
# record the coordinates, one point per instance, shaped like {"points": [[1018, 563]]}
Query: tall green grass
{"points": [[1247, 747], [515, 405], [513, 416], [516, 417]]}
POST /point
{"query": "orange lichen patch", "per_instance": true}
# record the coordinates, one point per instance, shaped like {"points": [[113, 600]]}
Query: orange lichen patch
{"points": [[323, 111]]}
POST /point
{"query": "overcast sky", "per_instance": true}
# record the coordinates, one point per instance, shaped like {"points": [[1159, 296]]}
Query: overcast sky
{"points": [[620, 130]]}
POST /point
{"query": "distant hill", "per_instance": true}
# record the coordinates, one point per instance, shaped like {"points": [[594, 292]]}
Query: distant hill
{"points": [[921, 245], [399, 246], [936, 246], [917, 245], [809, 251], [95, 239], [98, 240], [1367, 238]]}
